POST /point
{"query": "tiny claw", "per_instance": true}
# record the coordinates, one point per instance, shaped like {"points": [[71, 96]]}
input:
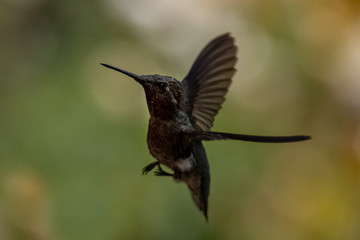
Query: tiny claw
{"points": [[162, 173], [144, 171], [149, 167]]}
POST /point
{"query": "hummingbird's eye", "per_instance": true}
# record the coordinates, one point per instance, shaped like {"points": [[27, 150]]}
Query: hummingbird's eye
{"points": [[162, 86]]}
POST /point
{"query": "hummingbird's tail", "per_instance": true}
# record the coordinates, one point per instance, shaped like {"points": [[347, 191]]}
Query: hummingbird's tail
{"points": [[199, 192], [210, 136]]}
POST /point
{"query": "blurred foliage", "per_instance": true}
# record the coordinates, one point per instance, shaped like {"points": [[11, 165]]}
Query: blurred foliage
{"points": [[72, 133]]}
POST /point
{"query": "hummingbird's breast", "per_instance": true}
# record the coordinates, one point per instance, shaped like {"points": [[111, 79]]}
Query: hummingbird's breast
{"points": [[165, 139]]}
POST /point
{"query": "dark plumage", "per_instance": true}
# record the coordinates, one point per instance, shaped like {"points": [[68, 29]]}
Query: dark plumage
{"points": [[182, 113]]}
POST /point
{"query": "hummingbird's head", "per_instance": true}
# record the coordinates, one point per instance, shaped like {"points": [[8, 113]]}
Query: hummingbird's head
{"points": [[164, 94]]}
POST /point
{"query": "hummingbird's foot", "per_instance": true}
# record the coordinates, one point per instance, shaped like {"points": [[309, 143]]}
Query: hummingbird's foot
{"points": [[161, 172], [149, 167]]}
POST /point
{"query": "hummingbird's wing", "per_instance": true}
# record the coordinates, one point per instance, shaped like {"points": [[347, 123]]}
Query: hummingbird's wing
{"points": [[209, 79]]}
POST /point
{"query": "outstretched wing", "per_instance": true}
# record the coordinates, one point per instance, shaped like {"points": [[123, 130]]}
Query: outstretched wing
{"points": [[209, 79]]}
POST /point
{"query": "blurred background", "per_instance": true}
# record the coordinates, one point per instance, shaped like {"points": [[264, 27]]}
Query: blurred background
{"points": [[73, 133]]}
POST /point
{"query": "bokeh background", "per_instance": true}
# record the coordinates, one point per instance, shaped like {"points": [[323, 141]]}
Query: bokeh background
{"points": [[72, 133]]}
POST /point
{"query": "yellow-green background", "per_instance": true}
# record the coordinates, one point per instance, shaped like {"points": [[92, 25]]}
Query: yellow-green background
{"points": [[72, 133]]}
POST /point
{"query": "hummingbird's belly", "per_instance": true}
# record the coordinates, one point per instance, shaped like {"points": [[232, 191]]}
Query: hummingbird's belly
{"points": [[165, 149]]}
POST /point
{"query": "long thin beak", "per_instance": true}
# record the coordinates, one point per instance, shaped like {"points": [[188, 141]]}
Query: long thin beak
{"points": [[132, 75]]}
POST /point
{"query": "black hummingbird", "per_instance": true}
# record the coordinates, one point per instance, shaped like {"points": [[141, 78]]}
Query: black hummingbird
{"points": [[182, 114]]}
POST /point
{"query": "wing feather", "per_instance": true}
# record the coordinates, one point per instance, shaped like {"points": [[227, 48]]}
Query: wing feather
{"points": [[209, 79]]}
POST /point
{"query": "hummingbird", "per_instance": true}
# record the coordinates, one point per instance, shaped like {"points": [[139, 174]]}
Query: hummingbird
{"points": [[182, 114]]}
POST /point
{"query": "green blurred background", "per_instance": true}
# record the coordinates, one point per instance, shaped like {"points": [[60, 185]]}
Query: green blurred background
{"points": [[73, 133]]}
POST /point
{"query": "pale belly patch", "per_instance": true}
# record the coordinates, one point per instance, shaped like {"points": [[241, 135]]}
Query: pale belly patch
{"points": [[186, 164]]}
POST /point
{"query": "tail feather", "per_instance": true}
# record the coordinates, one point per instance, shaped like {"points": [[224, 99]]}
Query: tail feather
{"points": [[210, 136], [199, 194]]}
